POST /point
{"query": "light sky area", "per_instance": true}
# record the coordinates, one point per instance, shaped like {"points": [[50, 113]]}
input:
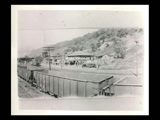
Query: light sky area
{"points": [[38, 28]]}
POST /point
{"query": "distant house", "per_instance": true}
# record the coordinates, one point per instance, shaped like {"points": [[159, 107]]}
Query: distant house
{"points": [[105, 57], [25, 59], [55, 56], [44, 54], [80, 55]]}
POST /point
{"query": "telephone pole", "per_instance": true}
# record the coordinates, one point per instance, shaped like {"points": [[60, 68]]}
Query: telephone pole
{"points": [[136, 60], [48, 49]]}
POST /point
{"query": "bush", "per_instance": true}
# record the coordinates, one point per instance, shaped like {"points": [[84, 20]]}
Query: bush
{"points": [[38, 60]]}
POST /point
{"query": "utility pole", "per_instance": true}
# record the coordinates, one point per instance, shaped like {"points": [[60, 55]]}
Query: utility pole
{"points": [[97, 62], [49, 60], [136, 60], [61, 62], [48, 49]]}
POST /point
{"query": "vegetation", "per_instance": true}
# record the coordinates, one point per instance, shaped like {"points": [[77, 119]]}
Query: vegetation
{"points": [[38, 60], [93, 42]]}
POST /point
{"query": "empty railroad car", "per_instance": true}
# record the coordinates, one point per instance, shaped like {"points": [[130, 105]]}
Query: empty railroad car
{"points": [[27, 74], [66, 84], [69, 85]]}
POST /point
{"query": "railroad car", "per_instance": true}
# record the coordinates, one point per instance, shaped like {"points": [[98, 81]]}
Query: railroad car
{"points": [[68, 84], [65, 84]]}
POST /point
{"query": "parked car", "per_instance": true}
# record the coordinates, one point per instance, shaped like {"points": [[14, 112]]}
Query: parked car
{"points": [[72, 62], [90, 64], [66, 62], [58, 62]]}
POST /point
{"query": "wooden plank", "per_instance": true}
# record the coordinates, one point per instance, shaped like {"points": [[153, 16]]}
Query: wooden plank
{"points": [[60, 88], [44, 82], [73, 88], [41, 81], [55, 88], [47, 83], [38, 79], [78, 77], [89, 89], [51, 90], [81, 89], [66, 88]]}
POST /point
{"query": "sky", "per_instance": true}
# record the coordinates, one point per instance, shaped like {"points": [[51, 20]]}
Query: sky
{"points": [[39, 28]]}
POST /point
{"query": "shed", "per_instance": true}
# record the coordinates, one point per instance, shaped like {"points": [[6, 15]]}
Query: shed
{"points": [[26, 58], [81, 54]]}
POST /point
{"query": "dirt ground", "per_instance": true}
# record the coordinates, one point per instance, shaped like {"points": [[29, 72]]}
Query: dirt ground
{"points": [[25, 90], [118, 103]]}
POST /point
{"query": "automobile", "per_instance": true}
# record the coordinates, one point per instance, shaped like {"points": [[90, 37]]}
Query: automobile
{"points": [[72, 62], [66, 62], [90, 64], [58, 62]]}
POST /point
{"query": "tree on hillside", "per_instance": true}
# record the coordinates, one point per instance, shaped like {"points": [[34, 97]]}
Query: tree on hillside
{"points": [[140, 30], [81, 48], [73, 49], [93, 47], [38, 60], [120, 48], [95, 35], [98, 44]]}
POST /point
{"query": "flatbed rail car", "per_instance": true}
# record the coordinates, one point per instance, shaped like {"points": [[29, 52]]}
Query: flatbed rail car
{"points": [[67, 84]]}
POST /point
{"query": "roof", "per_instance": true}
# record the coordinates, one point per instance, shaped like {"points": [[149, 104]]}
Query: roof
{"points": [[130, 81], [109, 52], [26, 58], [80, 53], [80, 77], [55, 55], [92, 62]]}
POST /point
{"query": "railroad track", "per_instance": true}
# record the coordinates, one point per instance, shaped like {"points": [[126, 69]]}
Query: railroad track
{"points": [[25, 92], [30, 92]]}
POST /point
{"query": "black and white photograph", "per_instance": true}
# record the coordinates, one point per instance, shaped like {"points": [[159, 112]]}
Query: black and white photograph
{"points": [[80, 59]]}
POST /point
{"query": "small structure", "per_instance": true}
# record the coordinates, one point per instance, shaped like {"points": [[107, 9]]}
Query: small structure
{"points": [[25, 59], [80, 54], [45, 54], [106, 56], [55, 57]]}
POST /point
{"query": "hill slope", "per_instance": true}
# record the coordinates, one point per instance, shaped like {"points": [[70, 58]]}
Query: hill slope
{"points": [[101, 41]]}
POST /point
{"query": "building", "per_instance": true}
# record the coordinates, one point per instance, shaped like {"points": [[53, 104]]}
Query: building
{"points": [[44, 54], [25, 60], [79, 55], [106, 57]]}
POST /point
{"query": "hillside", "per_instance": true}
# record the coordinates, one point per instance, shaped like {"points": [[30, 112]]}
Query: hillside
{"points": [[103, 41]]}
